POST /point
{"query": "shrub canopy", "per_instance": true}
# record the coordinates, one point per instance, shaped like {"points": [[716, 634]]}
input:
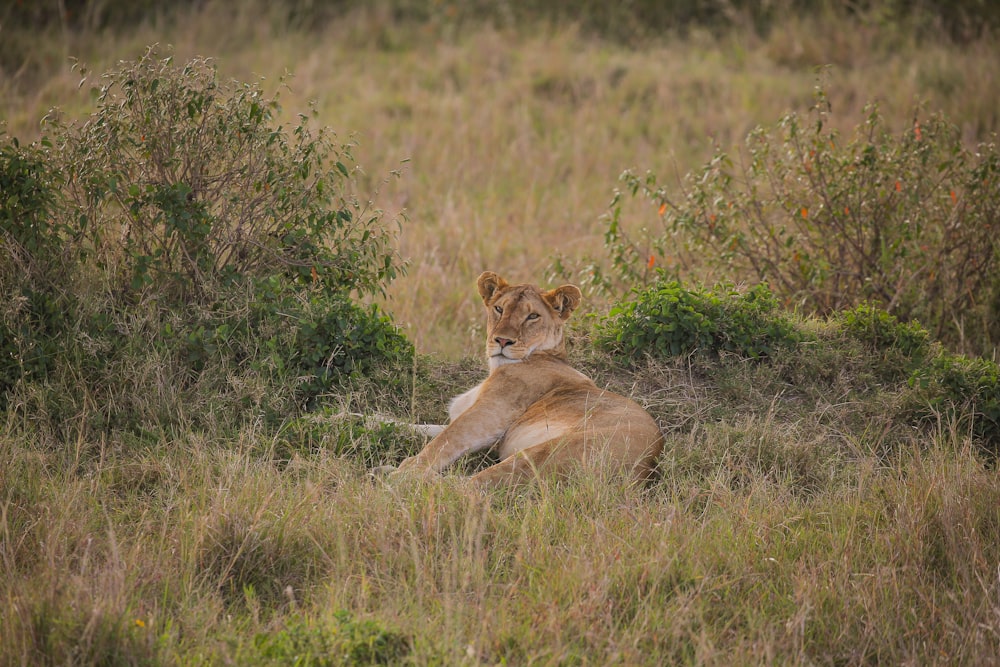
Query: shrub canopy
{"points": [[180, 234]]}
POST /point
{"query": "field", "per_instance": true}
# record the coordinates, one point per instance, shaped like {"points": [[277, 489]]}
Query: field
{"points": [[819, 506], [510, 144]]}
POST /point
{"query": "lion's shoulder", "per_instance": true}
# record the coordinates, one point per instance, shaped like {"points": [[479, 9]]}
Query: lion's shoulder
{"points": [[522, 384]]}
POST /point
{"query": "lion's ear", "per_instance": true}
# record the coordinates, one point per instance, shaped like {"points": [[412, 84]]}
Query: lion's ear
{"points": [[563, 300], [488, 284]]}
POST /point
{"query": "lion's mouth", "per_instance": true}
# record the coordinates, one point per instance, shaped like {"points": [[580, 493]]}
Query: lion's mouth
{"points": [[500, 356], [509, 352]]}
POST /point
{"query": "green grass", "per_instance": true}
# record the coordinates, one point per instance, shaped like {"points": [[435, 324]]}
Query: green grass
{"points": [[813, 507]]}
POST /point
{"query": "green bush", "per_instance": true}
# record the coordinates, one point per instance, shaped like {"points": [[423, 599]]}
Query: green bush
{"points": [[906, 221], [321, 339], [33, 302], [179, 181], [181, 254], [668, 320], [882, 331], [891, 350], [28, 192], [33, 330], [966, 390]]}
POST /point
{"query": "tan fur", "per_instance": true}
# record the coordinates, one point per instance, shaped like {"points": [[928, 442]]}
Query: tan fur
{"points": [[539, 414]]}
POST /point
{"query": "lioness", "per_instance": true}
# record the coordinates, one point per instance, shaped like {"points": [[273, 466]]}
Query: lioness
{"points": [[539, 414]]}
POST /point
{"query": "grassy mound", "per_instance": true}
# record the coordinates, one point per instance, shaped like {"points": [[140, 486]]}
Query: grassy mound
{"points": [[822, 462]]}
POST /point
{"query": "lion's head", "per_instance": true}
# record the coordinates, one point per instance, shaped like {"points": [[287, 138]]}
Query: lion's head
{"points": [[522, 319]]}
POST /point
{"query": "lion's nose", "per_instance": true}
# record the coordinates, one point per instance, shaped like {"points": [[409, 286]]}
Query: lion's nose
{"points": [[503, 342]]}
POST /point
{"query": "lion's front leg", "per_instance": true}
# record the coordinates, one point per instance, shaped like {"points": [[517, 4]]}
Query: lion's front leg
{"points": [[475, 429], [448, 443], [479, 420]]}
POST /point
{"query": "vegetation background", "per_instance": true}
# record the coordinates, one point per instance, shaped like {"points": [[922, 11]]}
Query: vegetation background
{"points": [[182, 477], [508, 119]]}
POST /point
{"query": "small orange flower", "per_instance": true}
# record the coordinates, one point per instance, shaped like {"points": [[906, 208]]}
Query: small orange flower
{"points": [[663, 208], [916, 130], [804, 212], [847, 210], [651, 262], [899, 186], [954, 197]]}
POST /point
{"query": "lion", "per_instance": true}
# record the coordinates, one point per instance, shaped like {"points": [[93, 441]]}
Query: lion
{"points": [[536, 412]]}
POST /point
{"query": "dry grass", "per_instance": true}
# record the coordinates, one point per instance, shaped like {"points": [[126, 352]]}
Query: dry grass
{"points": [[799, 518], [187, 555], [514, 141]]}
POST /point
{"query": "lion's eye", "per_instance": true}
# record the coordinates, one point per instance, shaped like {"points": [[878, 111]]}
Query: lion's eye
{"points": [[498, 309], [532, 316]]}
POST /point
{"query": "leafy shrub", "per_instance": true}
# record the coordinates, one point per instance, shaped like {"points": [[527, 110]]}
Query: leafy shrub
{"points": [[322, 339], [191, 256], [668, 319], [963, 389], [882, 331], [908, 221], [344, 339], [32, 305], [28, 191], [32, 332], [889, 350], [297, 644], [179, 181]]}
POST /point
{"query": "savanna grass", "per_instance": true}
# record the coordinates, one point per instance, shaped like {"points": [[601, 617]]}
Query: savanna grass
{"points": [[208, 551], [515, 138], [803, 513]]}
